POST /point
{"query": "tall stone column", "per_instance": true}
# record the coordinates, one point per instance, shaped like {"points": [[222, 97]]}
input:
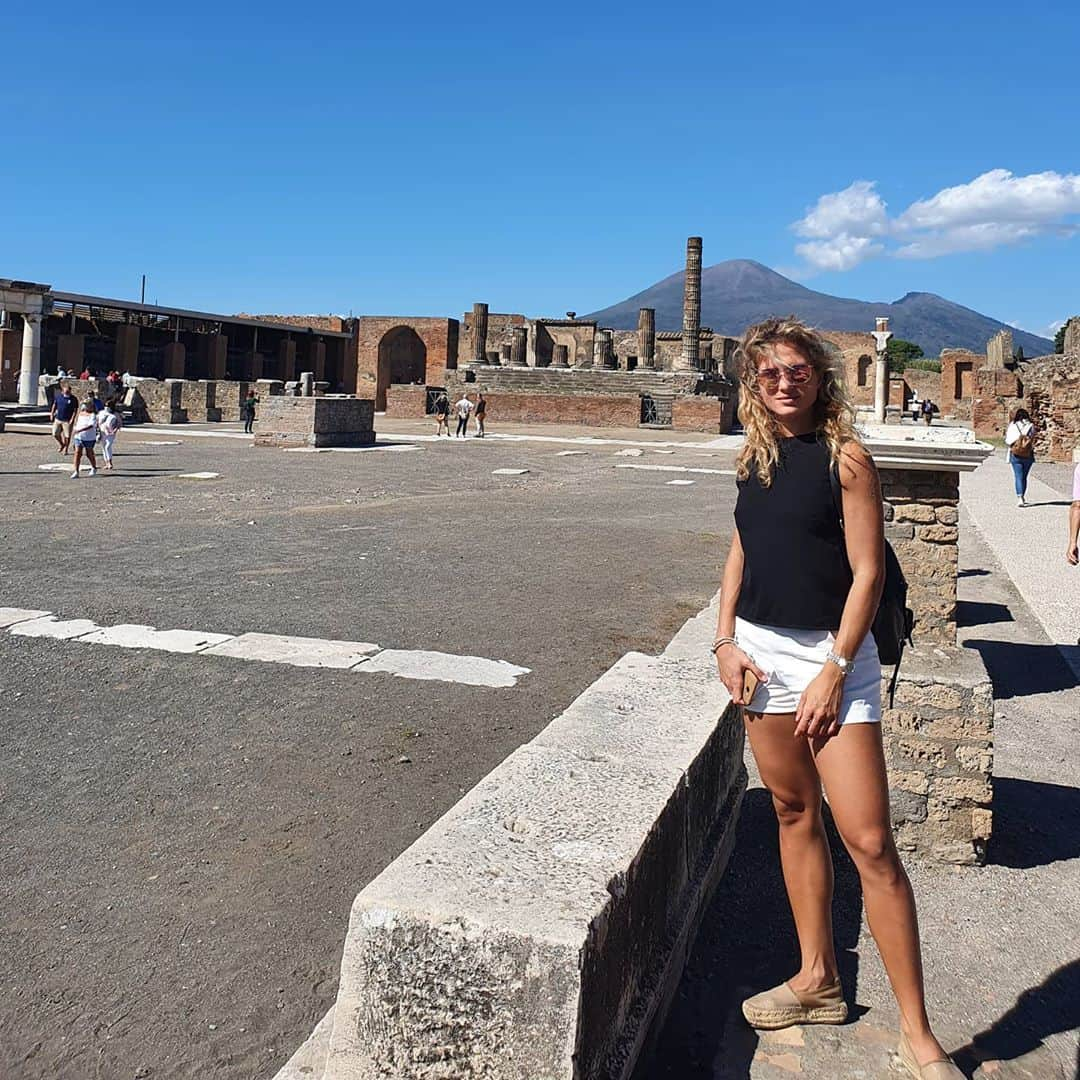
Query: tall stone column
{"points": [[560, 356], [519, 339], [605, 339], [646, 336], [479, 330], [882, 333], [31, 360], [691, 320]]}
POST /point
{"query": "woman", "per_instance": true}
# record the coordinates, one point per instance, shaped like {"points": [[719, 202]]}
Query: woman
{"points": [[247, 411], [800, 591], [481, 412], [1020, 440], [109, 425], [84, 434]]}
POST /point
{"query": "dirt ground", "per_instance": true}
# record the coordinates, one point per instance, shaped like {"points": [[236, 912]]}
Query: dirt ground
{"points": [[182, 836]]}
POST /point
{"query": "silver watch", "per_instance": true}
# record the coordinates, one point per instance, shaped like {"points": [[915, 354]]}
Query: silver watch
{"points": [[846, 666]]}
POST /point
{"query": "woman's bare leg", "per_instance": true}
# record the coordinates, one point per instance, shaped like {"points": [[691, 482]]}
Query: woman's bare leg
{"points": [[787, 770], [852, 768]]}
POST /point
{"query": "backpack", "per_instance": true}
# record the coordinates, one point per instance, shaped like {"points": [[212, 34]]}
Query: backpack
{"points": [[1025, 445], [894, 620]]}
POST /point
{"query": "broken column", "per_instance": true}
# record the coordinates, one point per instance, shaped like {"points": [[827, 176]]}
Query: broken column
{"points": [[691, 326], [560, 356], [519, 339], [479, 330], [999, 350], [646, 335], [1072, 337], [882, 333]]}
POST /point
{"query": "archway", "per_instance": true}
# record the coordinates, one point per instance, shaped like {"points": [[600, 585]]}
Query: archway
{"points": [[402, 359]]}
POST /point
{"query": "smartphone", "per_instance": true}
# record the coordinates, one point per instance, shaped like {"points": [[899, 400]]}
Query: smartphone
{"points": [[749, 686]]}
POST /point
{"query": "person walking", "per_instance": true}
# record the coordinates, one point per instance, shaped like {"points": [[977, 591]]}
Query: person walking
{"points": [[64, 407], [801, 586], [84, 434], [109, 425], [1020, 440], [927, 408], [442, 414], [1072, 554], [463, 408], [247, 411], [481, 412]]}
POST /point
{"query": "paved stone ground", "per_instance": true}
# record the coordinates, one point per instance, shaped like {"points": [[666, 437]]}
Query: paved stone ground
{"points": [[182, 836], [1001, 946]]}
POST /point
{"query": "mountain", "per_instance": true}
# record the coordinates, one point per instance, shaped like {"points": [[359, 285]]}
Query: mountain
{"points": [[739, 292]]}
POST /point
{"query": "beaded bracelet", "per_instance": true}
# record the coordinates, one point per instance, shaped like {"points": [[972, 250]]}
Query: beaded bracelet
{"points": [[721, 641]]}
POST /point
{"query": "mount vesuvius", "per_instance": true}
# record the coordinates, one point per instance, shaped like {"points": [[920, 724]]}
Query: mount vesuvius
{"points": [[739, 292]]}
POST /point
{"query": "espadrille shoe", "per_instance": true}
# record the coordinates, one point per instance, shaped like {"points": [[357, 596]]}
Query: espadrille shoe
{"points": [[942, 1069], [781, 1007]]}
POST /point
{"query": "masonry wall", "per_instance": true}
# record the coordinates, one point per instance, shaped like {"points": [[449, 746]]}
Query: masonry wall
{"points": [[596, 410], [924, 383], [440, 338], [997, 394], [958, 367], [700, 413], [921, 516], [406, 402], [857, 353], [1052, 396], [316, 421]]}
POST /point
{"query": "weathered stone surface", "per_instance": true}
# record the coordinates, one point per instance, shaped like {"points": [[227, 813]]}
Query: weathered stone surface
{"points": [[532, 932], [316, 421]]}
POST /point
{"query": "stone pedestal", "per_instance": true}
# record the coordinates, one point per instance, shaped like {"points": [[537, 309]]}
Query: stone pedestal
{"points": [[606, 350], [560, 356], [315, 421]]}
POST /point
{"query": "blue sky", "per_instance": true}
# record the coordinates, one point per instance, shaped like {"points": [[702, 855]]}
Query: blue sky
{"points": [[413, 158]]}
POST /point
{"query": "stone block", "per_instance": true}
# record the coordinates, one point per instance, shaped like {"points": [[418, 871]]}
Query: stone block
{"points": [[315, 421], [159, 402], [920, 513], [536, 929]]}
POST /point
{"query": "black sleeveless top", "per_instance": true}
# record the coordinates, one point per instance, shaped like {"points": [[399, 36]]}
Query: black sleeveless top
{"points": [[796, 573]]}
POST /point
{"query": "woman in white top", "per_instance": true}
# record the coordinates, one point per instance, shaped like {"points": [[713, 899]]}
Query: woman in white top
{"points": [[83, 435], [109, 425], [1020, 439]]}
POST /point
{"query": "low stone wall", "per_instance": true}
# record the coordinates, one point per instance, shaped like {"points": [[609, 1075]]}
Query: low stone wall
{"points": [[939, 747], [595, 410], [315, 421], [701, 413], [198, 400], [406, 402], [158, 402], [921, 523], [540, 927], [997, 394]]}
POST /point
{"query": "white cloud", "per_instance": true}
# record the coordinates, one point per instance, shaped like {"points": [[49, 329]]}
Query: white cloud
{"points": [[996, 209]]}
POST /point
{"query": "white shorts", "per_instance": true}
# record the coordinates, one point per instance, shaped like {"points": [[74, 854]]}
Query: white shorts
{"points": [[792, 658]]}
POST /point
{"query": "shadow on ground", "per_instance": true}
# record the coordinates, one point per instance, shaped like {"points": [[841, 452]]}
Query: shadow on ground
{"points": [[979, 613], [1019, 670], [1034, 823], [746, 943]]}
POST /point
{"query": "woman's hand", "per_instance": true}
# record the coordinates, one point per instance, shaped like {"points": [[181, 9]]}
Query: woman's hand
{"points": [[818, 713], [733, 665]]}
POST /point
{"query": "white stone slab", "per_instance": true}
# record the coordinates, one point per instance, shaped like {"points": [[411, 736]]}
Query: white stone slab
{"points": [[64, 466], [680, 483], [444, 667], [198, 475], [679, 469], [307, 449], [629, 453], [663, 451], [51, 627], [298, 651], [134, 636], [160, 442], [509, 472], [572, 453], [11, 615]]}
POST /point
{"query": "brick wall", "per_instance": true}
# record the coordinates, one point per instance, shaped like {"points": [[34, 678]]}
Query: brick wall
{"points": [[857, 353], [997, 393], [1052, 396], [700, 413], [958, 367], [597, 410], [406, 402], [921, 515], [439, 336], [316, 421]]}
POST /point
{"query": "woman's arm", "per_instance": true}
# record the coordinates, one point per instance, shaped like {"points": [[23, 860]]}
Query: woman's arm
{"points": [[817, 715], [731, 661]]}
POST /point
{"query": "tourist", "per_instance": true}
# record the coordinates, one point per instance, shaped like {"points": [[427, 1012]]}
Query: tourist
{"points": [[927, 409], [442, 414], [247, 411], [801, 587], [85, 374], [85, 434], [1020, 440], [61, 373], [109, 425], [1071, 553], [481, 412], [463, 408], [65, 405]]}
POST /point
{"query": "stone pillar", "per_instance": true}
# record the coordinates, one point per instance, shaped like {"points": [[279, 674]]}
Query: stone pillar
{"points": [[999, 350], [492, 356], [70, 349], [287, 359], [691, 323], [31, 360], [519, 340], [317, 360], [882, 333], [126, 356], [504, 355], [479, 331], [217, 351], [560, 356], [646, 336], [307, 384], [706, 355], [175, 359], [606, 346]]}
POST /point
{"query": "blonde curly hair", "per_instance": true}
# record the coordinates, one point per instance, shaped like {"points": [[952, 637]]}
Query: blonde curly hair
{"points": [[834, 417]]}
